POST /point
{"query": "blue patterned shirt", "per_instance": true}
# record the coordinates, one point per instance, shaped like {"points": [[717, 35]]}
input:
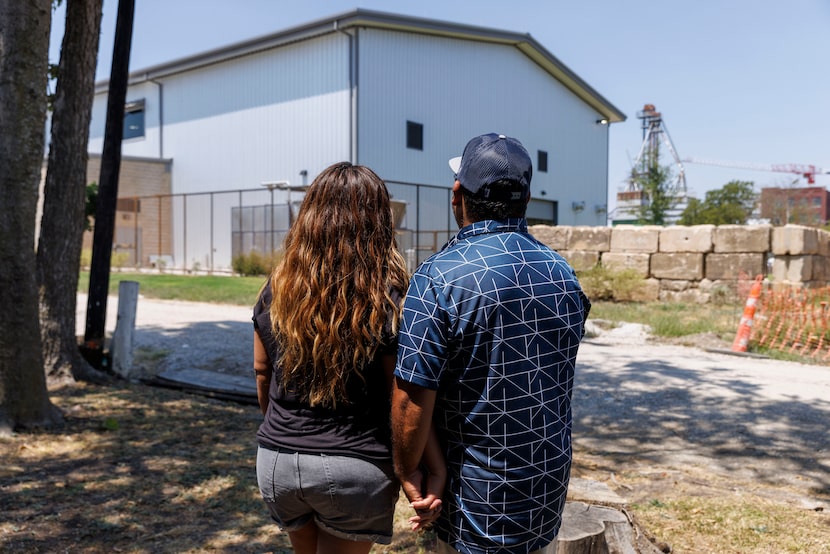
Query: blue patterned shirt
{"points": [[492, 322]]}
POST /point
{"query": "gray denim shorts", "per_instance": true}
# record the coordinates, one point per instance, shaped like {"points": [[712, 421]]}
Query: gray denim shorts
{"points": [[347, 497]]}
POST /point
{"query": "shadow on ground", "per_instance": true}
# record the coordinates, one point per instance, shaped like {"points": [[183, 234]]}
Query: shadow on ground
{"points": [[648, 411]]}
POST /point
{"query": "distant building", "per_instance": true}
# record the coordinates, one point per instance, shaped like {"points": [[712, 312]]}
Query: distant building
{"points": [[398, 94], [802, 205]]}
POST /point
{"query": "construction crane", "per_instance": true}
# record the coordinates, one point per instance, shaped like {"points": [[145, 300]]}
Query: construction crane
{"points": [[809, 172]]}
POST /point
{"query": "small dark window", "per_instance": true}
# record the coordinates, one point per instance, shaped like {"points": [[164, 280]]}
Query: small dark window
{"points": [[134, 119], [542, 162], [414, 135]]}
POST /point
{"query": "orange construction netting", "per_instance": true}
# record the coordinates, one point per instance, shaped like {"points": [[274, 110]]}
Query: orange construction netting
{"points": [[794, 320]]}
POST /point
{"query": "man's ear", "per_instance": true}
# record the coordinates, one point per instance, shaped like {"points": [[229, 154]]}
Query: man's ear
{"points": [[456, 194]]}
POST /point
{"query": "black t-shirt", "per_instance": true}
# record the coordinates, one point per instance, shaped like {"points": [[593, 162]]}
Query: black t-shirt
{"points": [[359, 427]]}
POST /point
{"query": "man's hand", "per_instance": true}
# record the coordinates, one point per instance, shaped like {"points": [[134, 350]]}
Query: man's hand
{"points": [[427, 504]]}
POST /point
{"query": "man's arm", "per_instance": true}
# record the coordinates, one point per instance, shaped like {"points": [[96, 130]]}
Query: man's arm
{"points": [[415, 450]]}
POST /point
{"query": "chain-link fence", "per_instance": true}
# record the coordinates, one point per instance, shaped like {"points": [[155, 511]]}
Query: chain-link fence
{"points": [[204, 232]]}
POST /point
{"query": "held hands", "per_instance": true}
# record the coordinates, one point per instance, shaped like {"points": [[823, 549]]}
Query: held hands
{"points": [[424, 489]]}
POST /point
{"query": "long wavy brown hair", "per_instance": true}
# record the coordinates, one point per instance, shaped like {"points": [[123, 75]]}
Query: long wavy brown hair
{"points": [[331, 290]]}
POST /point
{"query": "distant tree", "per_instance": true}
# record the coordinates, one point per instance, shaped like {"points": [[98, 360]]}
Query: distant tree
{"points": [[693, 214], [24, 57], [731, 204], [66, 193], [655, 181]]}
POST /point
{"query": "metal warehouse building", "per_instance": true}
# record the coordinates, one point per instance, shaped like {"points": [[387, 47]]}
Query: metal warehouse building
{"points": [[242, 128]]}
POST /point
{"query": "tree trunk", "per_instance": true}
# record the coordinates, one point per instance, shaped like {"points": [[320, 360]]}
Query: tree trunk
{"points": [[24, 55], [62, 226]]}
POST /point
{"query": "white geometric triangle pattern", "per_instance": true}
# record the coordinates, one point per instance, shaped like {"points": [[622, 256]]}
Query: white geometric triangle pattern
{"points": [[493, 323]]}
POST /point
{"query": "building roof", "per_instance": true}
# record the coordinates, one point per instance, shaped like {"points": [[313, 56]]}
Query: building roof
{"points": [[380, 20]]}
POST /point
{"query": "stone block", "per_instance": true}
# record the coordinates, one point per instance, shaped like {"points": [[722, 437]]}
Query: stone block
{"points": [[823, 240], [581, 260], [597, 239], [722, 290], [555, 237], [634, 238], [677, 265], [794, 240], [799, 268], [742, 238], [619, 261], [646, 291], [731, 265], [689, 296], [821, 269], [679, 238], [676, 285], [779, 269]]}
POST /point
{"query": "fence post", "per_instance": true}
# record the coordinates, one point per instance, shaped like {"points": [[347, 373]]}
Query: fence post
{"points": [[122, 337]]}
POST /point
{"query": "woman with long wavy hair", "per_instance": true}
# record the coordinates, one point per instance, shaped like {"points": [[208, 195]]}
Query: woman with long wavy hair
{"points": [[325, 340]]}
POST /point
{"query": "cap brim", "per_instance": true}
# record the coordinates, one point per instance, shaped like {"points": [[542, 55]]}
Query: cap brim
{"points": [[455, 164]]}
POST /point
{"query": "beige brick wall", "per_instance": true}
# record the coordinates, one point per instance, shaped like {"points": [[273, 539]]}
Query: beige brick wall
{"points": [[679, 263], [143, 227]]}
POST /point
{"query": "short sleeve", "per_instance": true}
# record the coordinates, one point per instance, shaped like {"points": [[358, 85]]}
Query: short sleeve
{"points": [[423, 340]]}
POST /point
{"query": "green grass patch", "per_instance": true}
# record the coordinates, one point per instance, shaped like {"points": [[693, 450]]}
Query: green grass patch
{"points": [[672, 319], [236, 290]]}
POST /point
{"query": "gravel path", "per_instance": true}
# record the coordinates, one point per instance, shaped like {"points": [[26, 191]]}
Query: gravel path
{"points": [[635, 402]]}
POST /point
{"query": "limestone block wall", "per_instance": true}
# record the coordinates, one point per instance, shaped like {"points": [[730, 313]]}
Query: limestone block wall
{"points": [[688, 264]]}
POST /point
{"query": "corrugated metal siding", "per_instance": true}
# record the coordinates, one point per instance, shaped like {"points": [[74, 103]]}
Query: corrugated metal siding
{"points": [[458, 89], [261, 117], [147, 146], [234, 125]]}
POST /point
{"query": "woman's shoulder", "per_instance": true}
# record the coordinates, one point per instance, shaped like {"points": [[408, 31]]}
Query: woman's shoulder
{"points": [[263, 303]]}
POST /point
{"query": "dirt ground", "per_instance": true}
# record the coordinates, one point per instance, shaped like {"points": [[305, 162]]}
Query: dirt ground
{"points": [[659, 424]]}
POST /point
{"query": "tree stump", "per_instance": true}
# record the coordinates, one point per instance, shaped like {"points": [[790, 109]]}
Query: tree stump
{"points": [[606, 528]]}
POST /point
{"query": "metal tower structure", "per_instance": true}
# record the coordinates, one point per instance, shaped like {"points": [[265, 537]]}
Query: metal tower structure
{"points": [[631, 200], [655, 132]]}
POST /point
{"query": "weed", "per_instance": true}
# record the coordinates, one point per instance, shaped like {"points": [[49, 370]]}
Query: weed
{"points": [[254, 263], [601, 283]]}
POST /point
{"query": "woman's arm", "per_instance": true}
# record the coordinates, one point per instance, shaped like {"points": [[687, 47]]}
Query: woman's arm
{"points": [[434, 469], [262, 368]]}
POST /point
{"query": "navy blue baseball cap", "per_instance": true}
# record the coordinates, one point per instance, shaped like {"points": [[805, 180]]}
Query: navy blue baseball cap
{"points": [[490, 158]]}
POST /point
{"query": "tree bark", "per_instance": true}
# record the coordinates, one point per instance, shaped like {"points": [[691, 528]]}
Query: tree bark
{"points": [[62, 225], [24, 55]]}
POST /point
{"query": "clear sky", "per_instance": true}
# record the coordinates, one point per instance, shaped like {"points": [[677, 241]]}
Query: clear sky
{"points": [[745, 81]]}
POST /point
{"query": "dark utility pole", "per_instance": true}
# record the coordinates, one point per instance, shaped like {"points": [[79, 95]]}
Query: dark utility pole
{"points": [[99, 275]]}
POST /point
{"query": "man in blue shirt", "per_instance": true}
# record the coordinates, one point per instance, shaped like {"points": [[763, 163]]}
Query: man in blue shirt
{"points": [[487, 346]]}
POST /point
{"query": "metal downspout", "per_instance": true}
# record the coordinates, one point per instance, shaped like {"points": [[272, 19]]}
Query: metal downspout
{"points": [[353, 66], [161, 115]]}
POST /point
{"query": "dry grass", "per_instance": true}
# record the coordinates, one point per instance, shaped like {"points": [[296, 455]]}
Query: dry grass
{"points": [[140, 469], [697, 512]]}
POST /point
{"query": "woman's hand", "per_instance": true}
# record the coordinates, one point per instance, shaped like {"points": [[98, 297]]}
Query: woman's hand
{"points": [[424, 490]]}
